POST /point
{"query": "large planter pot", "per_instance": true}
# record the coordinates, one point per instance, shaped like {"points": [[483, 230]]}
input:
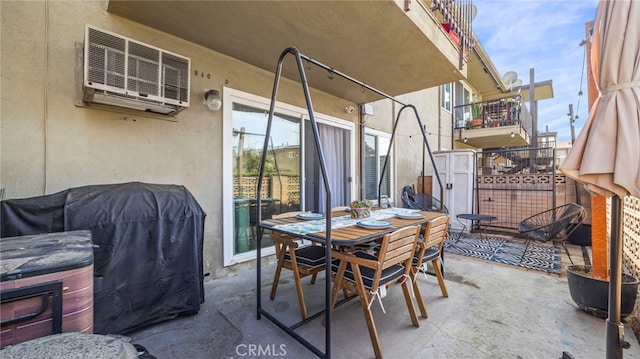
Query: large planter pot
{"points": [[592, 295], [476, 122]]}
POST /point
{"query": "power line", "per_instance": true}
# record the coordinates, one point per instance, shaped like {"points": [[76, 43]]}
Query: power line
{"points": [[584, 60]]}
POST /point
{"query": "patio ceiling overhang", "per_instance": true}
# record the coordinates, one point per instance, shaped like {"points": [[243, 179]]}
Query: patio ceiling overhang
{"points": [[375, 42], [483, 75]]}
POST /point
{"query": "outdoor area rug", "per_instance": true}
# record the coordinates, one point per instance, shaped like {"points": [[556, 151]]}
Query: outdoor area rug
{"points": [[545, 258]]}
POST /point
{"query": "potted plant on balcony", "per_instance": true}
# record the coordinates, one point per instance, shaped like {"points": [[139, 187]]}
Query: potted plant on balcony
{"points": [[476, 112]]}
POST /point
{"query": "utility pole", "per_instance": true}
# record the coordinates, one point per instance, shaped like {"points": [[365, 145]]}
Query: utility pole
{"points": [[534, 122], [573, 140], [571, 122], [533, 108]]}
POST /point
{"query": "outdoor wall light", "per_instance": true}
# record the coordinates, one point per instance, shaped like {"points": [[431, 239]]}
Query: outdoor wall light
{"points": [[367, 109], [212, 99]]}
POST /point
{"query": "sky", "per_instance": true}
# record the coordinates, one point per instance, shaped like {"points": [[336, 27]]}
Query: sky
{"points": [[543, 35]]}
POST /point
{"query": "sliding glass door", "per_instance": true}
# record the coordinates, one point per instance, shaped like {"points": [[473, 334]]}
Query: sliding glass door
{"points": [[282, 170], [292, 180]]}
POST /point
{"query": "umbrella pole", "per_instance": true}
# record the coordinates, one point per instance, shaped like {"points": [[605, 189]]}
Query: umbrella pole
{"points": [[614, 329]]}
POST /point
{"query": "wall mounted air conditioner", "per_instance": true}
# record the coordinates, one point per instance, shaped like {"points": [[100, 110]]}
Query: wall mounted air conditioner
{"points": [[119, 71]]}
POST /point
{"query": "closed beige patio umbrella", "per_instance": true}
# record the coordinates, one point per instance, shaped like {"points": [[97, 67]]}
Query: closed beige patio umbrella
{"points": [[606, 155]]}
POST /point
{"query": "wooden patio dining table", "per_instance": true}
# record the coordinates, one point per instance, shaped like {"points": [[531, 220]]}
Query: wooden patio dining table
{"points": [[345, 232]]}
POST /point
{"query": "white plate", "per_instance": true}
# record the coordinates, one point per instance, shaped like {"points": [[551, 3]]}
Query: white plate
{"points": [[373, 224], [409, 215], [309, 216]]}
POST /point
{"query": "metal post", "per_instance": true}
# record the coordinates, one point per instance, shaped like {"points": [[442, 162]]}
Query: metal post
{"points": [[614, 329], [571, 124], [534, 122]]}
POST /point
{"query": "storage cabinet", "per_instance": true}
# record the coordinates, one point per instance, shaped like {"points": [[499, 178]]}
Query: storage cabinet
{"points": [[425, 184], [456, 170], [46, 285]]}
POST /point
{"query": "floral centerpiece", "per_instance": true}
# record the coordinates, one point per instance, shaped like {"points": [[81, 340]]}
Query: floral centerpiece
{"points": [[361, 209]]}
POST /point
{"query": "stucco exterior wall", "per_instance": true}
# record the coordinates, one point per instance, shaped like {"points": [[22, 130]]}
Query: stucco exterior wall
{"points": [[49, 144], [411, 157], [23, 132]]}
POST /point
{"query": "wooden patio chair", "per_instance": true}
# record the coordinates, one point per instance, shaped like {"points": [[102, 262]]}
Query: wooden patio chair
{"points": [[554, 225], [365, 274], [304, 261], [430, 250]]}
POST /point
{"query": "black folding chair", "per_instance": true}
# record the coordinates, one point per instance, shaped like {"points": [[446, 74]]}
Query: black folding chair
{"points": [[555, 225], [425, 202], [422, 201]]}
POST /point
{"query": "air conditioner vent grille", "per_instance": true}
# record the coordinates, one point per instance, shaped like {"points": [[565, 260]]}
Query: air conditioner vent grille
{"points": [[134, 70], [106, 59], [175, 77], [144, 63]]}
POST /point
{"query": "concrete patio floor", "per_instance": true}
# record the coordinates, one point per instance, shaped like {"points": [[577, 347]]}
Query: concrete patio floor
{"points": [[493, 311]]}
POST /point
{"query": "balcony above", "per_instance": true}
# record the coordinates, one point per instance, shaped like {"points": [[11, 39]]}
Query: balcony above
{"points": [[499, 123], [395, 46], [493, 137]]}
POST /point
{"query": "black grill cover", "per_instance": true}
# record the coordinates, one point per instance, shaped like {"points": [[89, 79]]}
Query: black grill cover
{"points": [[148, 254]]}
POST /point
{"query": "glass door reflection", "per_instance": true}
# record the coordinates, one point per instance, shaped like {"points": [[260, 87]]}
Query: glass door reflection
{"points": [[281, 182]]}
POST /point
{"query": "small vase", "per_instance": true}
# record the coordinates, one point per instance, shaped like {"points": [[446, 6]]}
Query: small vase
{"points": [[364, 212]]}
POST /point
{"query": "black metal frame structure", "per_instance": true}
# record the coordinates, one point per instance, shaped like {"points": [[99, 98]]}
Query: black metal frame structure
{"points": [[493, 189], [305, 88]]}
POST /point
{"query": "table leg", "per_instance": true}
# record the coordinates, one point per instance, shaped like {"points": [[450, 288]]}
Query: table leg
{"points": [[484, 238]]}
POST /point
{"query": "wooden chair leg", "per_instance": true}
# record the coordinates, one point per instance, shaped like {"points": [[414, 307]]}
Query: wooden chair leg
{"points": [[276, 277], [303, 306], [368, 315], [298, 281], [407, 298], [337, 283], [313, 278], [443, 286], [416, 291]]}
